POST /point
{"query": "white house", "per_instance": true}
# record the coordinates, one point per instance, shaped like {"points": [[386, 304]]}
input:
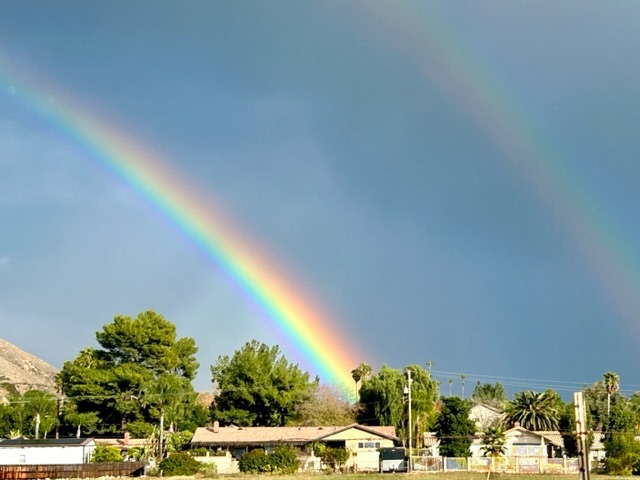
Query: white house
{"points": [[485, 416], [521, 442], [46, 452]]}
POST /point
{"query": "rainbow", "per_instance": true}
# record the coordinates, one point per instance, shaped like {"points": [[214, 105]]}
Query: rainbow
{"points": [[417, 31], [304, 323]]}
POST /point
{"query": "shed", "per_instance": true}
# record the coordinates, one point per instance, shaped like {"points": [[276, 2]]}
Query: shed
{"points": [[46, 452]]}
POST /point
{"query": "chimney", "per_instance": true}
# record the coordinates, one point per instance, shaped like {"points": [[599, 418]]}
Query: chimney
{"points": [[216, 427], [126, 438]]}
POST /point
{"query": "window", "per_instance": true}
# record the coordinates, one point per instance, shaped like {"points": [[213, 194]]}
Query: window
{"points": [[368, 445]]}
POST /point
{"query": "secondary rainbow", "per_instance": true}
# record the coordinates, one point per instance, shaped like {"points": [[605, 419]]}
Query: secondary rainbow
{"points": [[418, 31], [304, 323]]}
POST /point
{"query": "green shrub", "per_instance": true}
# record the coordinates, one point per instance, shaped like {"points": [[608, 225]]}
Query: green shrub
{"points": [[623, 455], [208, 470], [284, 460], [255, 461], [106, 454], [179, 464], [199, 451], [333, 458]]}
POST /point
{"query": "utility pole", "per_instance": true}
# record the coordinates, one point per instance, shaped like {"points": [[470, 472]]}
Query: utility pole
{"points": [[408, 390], [582, 435]]}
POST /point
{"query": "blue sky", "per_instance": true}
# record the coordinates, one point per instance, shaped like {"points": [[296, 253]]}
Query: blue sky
{"points": [[354, 141]]}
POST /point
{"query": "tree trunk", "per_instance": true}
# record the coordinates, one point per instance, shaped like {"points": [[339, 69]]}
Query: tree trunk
{"points": [[37, 425], [160, 445]]}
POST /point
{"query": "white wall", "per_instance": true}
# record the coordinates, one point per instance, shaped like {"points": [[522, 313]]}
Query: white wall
{"points": [[28, 455]]}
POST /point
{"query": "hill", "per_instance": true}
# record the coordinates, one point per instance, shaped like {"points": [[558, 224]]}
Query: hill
{"points": [[21, 371]]}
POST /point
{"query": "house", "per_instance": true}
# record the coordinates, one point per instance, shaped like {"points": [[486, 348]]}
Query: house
{"points": [[124, 443], [362, 441], [521, 442], [46, 452], [485, 416]]}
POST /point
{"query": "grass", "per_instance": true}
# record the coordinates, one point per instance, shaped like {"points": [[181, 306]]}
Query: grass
{"points": [[411, 476]]}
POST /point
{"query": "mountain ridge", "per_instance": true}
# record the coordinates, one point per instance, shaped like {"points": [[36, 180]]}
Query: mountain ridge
{"points": [[21, 371]]}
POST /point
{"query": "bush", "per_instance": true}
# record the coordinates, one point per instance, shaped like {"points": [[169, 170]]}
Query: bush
{"points": [[106, 454], [255, 461], [623, 455], [283, 460], [334, 458], [179, 464], [208, 470]]}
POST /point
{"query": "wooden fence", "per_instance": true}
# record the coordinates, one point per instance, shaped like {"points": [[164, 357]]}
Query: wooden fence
{"points": [[80, 470]]}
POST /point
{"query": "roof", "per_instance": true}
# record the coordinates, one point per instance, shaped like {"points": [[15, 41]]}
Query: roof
{"points": [[298, 435], [49, 442], [480, 405], [430, 439], [552, 436], [122, 443]]}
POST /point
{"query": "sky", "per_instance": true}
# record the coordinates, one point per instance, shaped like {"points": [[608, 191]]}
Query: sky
{"points": [[451, 181]]}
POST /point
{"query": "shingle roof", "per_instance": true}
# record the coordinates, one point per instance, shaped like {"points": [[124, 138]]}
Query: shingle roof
{"points": [[264, 435]]}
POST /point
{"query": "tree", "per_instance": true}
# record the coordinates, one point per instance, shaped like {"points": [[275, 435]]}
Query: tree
{"points": [[450, 382], [108, 381], [493, 444], [41, 405], [596, 402], [621, 418], [324, 405], [381, 400], [165, 394], [77, 419], [533, 411], [257, 386], [14, 415], [361, 371], [454, 428], [462, 379], [490, 395], [612, 385], [424, 395], [622, 455]]}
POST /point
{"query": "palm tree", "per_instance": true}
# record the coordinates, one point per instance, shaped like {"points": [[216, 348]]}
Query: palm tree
{"points": [[429, 365], [533, 411], [450, 382], [41, 404], [362, 371], [462, 378], [164, 394], [612, 385], [494, 445], [356, 374]]}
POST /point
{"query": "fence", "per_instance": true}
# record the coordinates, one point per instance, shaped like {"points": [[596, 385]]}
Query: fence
{"points": [[80, 470], [499, 464]]}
